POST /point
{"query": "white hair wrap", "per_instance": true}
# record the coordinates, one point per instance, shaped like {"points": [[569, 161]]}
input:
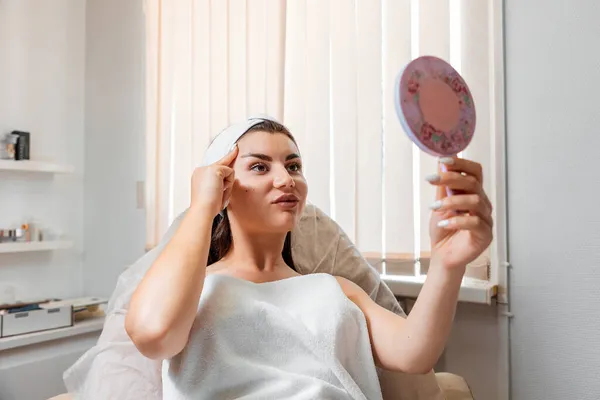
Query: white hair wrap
{"points": [[224, 141]]}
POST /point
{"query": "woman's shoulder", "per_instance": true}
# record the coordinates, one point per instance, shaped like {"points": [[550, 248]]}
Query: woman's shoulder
{"points": [[350, 289]]}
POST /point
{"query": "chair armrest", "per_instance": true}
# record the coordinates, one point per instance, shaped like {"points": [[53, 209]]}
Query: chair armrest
{"points": [[62, 397], [454, 386]]}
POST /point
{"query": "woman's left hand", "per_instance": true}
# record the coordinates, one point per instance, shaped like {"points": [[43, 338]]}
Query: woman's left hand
{"points": [[458, 238]]}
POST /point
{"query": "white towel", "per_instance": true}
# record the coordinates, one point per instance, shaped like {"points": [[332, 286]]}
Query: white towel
{"points": [[297, 338]]}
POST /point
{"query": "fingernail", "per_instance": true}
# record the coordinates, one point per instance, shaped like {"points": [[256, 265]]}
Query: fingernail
{"points": [[436, 205], [443, 223], [447, 160], [233, 146], [433, 178]]}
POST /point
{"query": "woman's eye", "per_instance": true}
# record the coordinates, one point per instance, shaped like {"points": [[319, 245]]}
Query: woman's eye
{"points": [[259, 168], [295, 167]]}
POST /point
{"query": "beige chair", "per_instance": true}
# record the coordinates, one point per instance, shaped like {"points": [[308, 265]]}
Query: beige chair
{"points": [[453, 386], [319, 245]]}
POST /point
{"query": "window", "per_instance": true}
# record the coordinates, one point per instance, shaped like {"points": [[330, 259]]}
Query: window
{"points": [[326, 69]]}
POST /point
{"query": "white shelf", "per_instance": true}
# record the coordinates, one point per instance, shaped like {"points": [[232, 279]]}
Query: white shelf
{"points": [[35, 166], [79, 328], [21, 247], [471, 290]]}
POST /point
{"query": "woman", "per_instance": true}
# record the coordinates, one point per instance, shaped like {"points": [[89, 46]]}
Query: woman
{"points": [[232, 251]]}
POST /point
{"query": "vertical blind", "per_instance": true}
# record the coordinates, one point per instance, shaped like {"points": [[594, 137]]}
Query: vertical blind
{"points": [[326, 69]]}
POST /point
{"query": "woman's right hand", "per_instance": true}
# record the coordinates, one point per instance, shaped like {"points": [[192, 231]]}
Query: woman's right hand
{"points": [[163, 307], [212, 184]]}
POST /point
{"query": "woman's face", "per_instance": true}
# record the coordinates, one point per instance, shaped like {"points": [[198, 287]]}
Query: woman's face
{"points": [[270, 191]]}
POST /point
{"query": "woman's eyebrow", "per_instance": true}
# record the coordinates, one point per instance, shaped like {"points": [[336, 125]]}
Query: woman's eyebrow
{"points": [[259, 156], [269, 158]]}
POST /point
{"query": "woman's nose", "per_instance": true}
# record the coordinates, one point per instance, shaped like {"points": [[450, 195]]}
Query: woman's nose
{"points": [[283, 179]]}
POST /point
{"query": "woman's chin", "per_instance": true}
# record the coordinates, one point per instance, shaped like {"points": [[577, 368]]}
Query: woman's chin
{"points": [[285, 221]]}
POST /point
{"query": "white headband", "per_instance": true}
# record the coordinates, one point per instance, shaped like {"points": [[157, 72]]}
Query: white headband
{"points": [[223, 142]]}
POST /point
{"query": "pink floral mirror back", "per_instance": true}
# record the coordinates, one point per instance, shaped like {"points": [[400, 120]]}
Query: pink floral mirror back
{"points": [[435, 106]]}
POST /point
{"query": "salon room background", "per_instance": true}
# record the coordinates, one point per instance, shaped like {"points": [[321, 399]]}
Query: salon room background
{"points": [[102, 101]]}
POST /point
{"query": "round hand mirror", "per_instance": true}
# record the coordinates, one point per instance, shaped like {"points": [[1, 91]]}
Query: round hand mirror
{"points": [[435, 106]]}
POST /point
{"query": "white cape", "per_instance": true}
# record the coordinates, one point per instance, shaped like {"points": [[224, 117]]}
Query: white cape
{"points": [[298, 338]]}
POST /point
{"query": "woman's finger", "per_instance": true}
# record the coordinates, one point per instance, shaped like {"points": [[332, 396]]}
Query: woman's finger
{"points": [[229, 158], [472, 204], [226, 197], [465, 222], [460, 184], [456, 181], [485, 198], [463, 202], [230, 177], [228, 181], [465, 166], [227, 174]]}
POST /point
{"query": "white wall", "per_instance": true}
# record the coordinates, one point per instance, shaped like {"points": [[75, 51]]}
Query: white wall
{"points": [[42, 58], [478, 349], [42, 73], [66, 82], [114, 148], [553, 71]]}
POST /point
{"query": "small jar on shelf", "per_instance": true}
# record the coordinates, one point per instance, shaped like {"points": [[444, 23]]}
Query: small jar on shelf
{"points": [[12, 235], [27, 232], [8, 146]]}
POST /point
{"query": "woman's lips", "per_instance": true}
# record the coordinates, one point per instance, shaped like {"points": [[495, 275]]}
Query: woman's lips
{"points": [[287, 204], [287, 201]]}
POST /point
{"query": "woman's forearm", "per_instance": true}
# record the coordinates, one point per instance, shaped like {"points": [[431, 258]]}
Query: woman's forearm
{"points": [[429, 323], [164, 305]]}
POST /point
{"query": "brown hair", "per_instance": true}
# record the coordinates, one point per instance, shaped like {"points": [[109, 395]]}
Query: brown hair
{"points": [[221, 239]]}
